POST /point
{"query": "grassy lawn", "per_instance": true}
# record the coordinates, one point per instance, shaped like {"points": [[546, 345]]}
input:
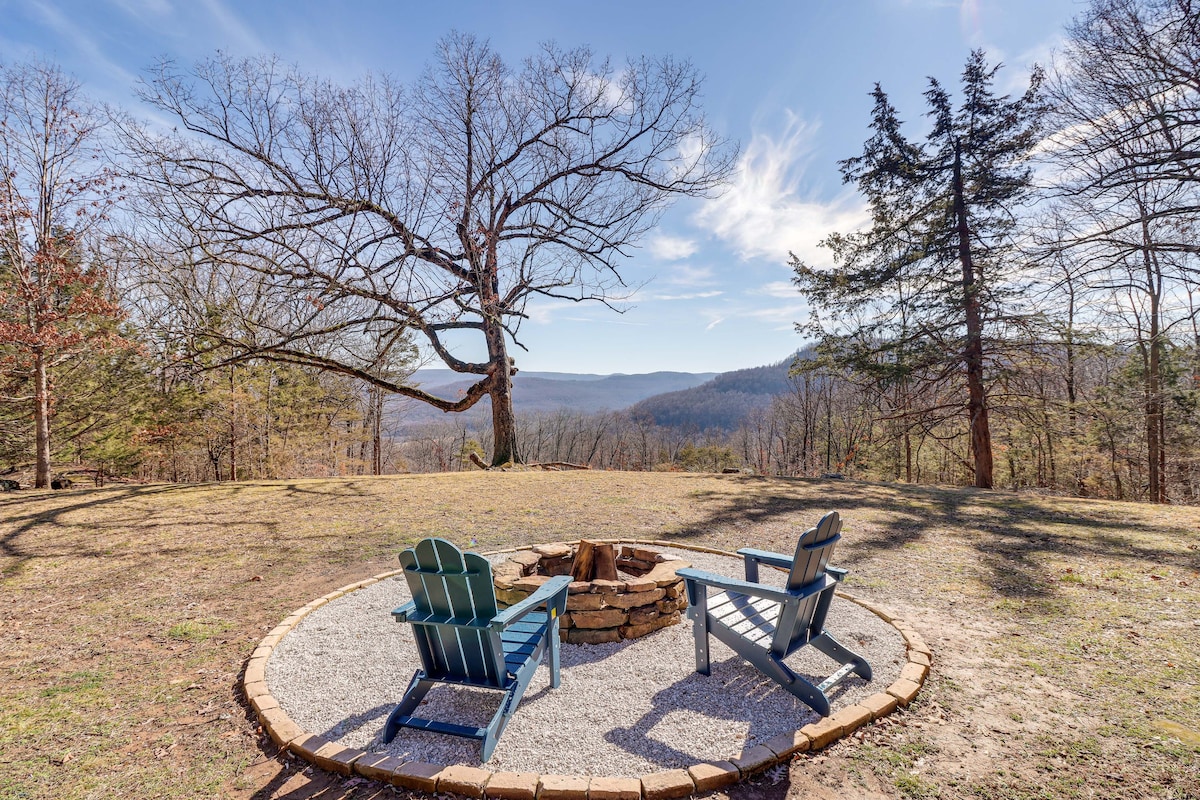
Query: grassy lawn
{"points": [[1065, 631]]}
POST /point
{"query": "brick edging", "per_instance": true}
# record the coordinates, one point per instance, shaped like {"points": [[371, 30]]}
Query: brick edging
{"points": [[477, 782]]}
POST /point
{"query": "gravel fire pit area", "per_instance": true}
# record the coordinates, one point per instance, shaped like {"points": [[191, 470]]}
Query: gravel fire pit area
{"points": [[626, 708]]}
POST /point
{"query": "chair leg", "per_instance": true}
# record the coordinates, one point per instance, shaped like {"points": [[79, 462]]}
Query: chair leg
{"points": [[808, 694], [700, 633], [418, 687], [491, 736], [512, 699], [698, 613], [842, 655], [552, 644], [775, 669]]}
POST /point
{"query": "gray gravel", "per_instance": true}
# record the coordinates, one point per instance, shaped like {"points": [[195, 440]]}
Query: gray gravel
{"points": [[623, 710]]}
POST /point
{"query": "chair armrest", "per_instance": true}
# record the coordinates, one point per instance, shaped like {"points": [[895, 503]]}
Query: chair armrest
{"points": [[766, 557], [550, 590], [401, 614], [754, 589], [837, 572], [732, 584], [753, 558]]}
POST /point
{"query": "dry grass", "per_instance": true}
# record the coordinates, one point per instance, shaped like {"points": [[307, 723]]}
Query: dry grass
{"points": [[1066, 631]]}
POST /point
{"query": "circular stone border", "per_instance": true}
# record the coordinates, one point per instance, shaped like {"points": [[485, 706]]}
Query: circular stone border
{"points": [[477, 782]]}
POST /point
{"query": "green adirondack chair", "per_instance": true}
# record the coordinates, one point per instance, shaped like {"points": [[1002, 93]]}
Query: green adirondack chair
{"points": [[464, 639], [765, 624]]}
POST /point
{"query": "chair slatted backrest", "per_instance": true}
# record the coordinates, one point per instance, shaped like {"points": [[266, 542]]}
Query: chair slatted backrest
{"points": [[454, 589], [812, 557]]}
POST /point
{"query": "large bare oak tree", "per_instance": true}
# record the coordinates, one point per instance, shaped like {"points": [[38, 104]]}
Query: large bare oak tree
{"points": [[359, 217]]}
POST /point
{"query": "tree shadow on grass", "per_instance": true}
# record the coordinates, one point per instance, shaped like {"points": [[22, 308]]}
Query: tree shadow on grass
{"points": [[47, 514], [1012, 536]]}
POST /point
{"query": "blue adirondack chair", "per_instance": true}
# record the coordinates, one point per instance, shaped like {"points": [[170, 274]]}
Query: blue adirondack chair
{"points": [[765, 624], [464, 639]]}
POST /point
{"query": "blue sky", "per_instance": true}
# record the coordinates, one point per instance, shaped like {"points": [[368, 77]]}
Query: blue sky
{"points": [[789, 80]]}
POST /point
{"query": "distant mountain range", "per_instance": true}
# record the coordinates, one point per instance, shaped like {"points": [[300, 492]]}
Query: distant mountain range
{"points": [[675, 399]]}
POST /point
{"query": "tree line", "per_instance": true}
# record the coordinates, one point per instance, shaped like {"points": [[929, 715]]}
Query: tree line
{"points": [[1084, 440], [246, 294]]}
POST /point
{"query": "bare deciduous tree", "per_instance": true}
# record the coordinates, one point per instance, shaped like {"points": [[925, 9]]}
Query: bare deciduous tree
{"points": [[53, 191], [1127, 99], [356, 217]]}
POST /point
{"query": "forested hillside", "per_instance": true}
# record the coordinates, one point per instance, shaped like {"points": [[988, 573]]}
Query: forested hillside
{"points": [[721, 404]]}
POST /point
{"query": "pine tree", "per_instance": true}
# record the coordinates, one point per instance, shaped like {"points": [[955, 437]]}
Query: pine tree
{"points": [[919, 291]]}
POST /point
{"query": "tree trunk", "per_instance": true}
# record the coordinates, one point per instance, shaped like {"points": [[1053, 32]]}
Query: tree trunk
{"points": [[1072, 401], [977, 411], [504, 422], [41, 420], [232, 427], [377, 432], [1155, 452]]}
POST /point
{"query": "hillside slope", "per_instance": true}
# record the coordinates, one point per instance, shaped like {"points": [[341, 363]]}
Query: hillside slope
{"points": [[721, 403]]}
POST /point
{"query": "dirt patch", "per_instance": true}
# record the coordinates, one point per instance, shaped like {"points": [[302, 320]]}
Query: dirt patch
{"points": [[1065, 630]]}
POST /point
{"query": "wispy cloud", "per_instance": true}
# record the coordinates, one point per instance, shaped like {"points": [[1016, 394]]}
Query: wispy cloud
{"points": [[543, 311], [81, 41], [690, 296], [686, 275], [714, 323], [782, 289], [765, 214], [671, 248], [140, 8], [783, 316], [921, 4], [971, 22], [232, 27]]}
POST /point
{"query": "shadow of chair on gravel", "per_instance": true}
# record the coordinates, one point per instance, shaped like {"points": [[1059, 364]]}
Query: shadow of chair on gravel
{"points": [[451, 703], [699, 696]]}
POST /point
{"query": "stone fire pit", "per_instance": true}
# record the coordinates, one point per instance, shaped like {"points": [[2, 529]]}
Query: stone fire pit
{"points": [[647, 594]]}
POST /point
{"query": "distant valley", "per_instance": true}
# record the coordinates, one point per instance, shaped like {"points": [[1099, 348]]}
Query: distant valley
{"points": [[702, 401]]}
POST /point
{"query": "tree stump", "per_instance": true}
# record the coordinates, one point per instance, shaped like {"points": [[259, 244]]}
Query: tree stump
{"points": [[594, 561], [604, 567]]}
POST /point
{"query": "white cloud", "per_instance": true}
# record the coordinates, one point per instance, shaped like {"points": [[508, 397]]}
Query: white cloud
{"points": [[782, 289], [690, 296], [764, 213], [714, 323], [687, 275], [671, 248]]}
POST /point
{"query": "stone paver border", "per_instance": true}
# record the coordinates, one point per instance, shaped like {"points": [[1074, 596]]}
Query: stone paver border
{"points": [[476, 782]]}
